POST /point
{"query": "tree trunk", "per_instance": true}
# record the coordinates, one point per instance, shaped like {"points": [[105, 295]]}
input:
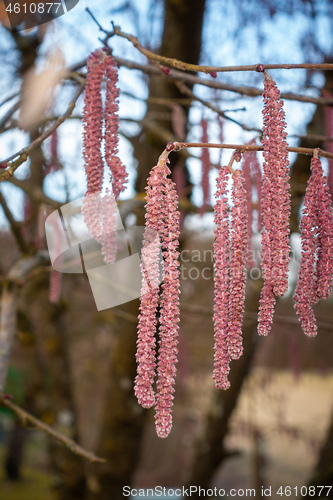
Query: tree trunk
{"points": [[181, 39], [14, 451], [323, 472], [123, 418]]}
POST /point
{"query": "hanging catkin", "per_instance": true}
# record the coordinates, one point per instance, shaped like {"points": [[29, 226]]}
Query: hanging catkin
{"points": [[316, 267], [275, 205]]}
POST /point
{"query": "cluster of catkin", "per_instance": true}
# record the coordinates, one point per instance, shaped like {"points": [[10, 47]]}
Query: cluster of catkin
{"points": [[100, 148], [232, 236], [162, 231]]}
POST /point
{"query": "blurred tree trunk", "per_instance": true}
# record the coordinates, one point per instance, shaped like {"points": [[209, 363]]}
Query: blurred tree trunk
{"points": [[181, 39], [53, 395], [14, 450], [323, 472], [123, 418]]}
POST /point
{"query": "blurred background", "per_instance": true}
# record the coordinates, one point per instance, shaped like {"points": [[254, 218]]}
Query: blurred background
{"points": [[72, 366]]}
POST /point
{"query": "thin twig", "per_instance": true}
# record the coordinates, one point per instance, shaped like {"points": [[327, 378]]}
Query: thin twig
{"points": [[24, 153], [35, 192], [14, 279], [183, 66], [245, 147], [186, 90], [15, 226], [7, 327], [208, 311], [26, 417], [9, 114], [214, 84], [9, 98]]}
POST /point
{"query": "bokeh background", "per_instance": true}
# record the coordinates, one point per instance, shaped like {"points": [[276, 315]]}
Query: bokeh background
{"points": [[72, 366]]}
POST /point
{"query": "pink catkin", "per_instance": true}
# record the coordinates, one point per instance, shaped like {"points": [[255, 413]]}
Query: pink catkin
{"points": [[169, 315], [56, 276], [118, 172], [178, 176], [54, 142], [55, 286], [93, 123], [266, 309], [316, 267], [92, 143], [100, 213], [109, 214], [275, 168], [256, 173], [237, 282], [162, 219], [304, 294], [275, 205], [246, 167], [324, 268], [145, 355], [205, 169], [221, 282], [178, 121], [221, 137]]}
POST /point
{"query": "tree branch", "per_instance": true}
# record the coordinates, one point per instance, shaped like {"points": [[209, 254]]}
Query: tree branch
{"points": [[249, 316], [26, 417], [24, 153], [7, 327], [8, 306], [15, 226], [34, 192], [176, 146], [183, 66], [9, 114], [187, 91], [197, 80]]}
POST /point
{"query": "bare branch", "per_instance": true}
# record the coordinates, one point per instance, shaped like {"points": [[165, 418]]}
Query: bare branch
{"points": [[16, 275], [24, 153], [15, 226], [26, 418], [250, 316], [246, 147], [239, 89], [9, 114], [183, 66], [7, 328], [186, 90], [34, 192]]}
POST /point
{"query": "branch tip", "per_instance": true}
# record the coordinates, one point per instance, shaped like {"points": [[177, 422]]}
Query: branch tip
{"points": [[170, 146]]}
